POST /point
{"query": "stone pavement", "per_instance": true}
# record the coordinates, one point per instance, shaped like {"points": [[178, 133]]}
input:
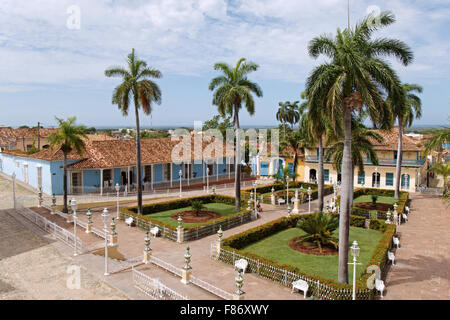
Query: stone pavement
{"points": [[422, 263]]}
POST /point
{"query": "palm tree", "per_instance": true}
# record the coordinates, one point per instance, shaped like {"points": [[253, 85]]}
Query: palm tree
{"points": [[136, 85], [356, 77], [295, 140], [319, 229], [68, 137], [316, 123], [439, 137], [362, 146], [405, 111], [444, 170], [282, 114], [293, 115], [232, 89]]}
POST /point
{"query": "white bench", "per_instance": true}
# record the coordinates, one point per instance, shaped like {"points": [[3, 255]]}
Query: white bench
{"points": [[129, 221], [405, 217], [379, 285], [301, 285], [391, 257], [281, 201], [396, 241], [241, 264], [154, 231]]}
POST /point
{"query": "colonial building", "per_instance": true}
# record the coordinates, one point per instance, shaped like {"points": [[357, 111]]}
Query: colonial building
{"points": [[413, 173], [108, 162], [23, 139]]}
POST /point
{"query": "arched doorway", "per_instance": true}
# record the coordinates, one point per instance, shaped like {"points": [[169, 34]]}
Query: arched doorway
{"points": [[312, 175], [405, 181], [339, 178], [376, 180]]}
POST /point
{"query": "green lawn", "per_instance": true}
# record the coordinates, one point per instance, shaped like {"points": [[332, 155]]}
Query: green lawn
{"points": [[166, 216], [368, 198], [276, 248]]}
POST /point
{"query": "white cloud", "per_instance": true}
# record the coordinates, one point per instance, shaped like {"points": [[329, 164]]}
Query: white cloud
{"points": [[187, 37]]}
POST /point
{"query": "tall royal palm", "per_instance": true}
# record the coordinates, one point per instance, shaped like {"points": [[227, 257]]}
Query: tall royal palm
{"points": [[67, 138], [136, 86], [233, 89], [293, 115], [355, 78], [405, 111], [282, 114]]}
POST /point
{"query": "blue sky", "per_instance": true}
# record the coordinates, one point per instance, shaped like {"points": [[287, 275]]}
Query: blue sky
{"points": [[50, 70]]}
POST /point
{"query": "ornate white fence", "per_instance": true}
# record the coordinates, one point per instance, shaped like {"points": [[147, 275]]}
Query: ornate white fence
{"points": [[60, 233], [166, 266], [213, 289], [154, 288], [285, 277]]}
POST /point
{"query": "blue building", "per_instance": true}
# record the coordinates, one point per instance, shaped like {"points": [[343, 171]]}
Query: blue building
{"points": [[107, 163]]}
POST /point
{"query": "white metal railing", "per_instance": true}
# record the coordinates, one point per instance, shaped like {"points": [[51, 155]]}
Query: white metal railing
{"points": [[154, 288], [167, 266], [210, 288], [60, 233]]}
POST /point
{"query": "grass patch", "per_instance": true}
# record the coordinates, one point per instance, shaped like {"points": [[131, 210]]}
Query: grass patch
{"points": [[368, 198], [276, 248], [166, 216]]}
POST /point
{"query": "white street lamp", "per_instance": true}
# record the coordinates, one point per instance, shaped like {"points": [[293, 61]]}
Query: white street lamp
{"points": [[117, 190], [309, 199], [255, 209], [180, 174], [74, 206], [287, 194], [105, 218], [355, 253]]}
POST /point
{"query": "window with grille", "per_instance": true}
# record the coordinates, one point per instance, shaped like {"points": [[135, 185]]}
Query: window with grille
{"points": [[362, 178], [389, 179], [326, 175], [147, 173]]}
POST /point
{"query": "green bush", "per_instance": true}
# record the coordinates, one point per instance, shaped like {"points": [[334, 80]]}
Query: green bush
{"points": [[379, 256]]}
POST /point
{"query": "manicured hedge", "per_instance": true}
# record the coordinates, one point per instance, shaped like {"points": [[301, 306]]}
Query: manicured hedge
{"points": [[182, 203], [379, 256]]}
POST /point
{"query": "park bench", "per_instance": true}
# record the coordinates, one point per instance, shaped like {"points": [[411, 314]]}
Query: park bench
{"points": [[129, 221], [396, 241], [379, 286], [281, 201], [154, 231], [405, 217], [241, 264], [391, 257], [300, 285]]}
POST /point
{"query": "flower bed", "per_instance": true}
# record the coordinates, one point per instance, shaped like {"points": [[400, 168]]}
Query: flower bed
{"points": [[321, 287], [146, 221]]}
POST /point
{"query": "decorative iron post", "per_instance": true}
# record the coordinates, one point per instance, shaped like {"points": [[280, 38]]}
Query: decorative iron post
{"points": [[147, 250], [53, 208], [186, 272], [180, 229], [113, 239], [219, 241], [239, 294], [89, 223], [40, 200]]}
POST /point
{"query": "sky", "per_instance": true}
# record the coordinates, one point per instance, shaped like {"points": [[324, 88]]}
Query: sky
{"points": [[54, 53]]}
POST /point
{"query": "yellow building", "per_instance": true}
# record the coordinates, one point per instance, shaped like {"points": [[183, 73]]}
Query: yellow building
{"points": [[413, 173]]}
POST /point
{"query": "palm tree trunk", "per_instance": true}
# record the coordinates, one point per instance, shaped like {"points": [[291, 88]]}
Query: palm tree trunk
{"points": [[295, 165], [237, 174], [344, 217], [398, 168], [65, 209], [350, 202], [138, 161], [320, 176]]}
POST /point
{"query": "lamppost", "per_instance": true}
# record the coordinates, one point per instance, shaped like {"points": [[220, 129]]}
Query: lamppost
{"points": [[207, 179], [14, 188], [105, 218], [117, 190], [287, 194], [309, 199], [74, 206], [255, 209], [355, 253], [180, 174]]}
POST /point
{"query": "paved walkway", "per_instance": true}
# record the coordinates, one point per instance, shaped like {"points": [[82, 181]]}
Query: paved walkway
{"points": [[422, 264]]}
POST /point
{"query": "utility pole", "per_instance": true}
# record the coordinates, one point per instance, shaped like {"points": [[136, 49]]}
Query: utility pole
{"points": [[348, 14], [39, 136]]}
